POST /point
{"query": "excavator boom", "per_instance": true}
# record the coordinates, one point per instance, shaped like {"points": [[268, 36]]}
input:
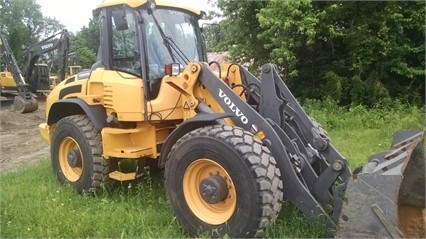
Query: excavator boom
{"points": [[25, 101], [58, 41], [26, 82]]}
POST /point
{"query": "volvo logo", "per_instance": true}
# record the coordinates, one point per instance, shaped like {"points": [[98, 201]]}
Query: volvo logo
{"points": [[233, 107], [44, 47]]}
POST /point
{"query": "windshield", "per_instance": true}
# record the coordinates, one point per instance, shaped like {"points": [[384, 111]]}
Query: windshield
{"points": [[172, 37]]}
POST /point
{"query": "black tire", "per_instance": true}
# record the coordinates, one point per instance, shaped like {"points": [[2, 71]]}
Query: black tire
{"points": [[253, 196], [76, 154]]}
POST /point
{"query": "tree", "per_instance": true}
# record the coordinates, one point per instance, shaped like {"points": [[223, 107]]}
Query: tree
{"points": [[353, 52], [24, 25], [240, 29], [86, 43]]}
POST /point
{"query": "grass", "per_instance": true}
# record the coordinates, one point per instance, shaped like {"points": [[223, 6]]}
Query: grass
{"points": [[34, 205]]}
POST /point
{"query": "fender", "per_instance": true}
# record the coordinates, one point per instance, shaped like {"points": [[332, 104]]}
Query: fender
{"points": [[66, 107], [200, 120]]}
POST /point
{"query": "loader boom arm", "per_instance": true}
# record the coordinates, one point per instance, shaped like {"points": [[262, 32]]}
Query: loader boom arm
{"points": [[316, 177], [314, 172]]}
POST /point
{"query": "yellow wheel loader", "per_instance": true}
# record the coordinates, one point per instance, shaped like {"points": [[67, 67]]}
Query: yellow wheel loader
{"points": [[233, 145]]}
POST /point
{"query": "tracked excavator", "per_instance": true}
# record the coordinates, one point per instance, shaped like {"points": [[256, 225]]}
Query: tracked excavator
{"points": [[37, 81], [34, 77], [23, 100], [233, 145]]}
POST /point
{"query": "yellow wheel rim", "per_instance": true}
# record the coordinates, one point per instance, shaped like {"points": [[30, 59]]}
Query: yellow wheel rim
{"points": [[211, 213], [71, 168]]}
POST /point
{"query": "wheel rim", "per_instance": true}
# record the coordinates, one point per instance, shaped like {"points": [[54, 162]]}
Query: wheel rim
{"points": [[212, 213], [70, 159]]}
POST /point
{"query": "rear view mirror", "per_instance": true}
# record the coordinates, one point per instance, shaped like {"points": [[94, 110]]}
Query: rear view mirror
{"points": [[120, 21], [96, 13]]}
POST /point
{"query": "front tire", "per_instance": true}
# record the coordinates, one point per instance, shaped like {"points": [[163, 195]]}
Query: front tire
{"points": [[220, 180], [76, 154]]}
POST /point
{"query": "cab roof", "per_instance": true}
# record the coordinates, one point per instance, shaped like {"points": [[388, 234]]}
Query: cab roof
{"points": [[138, 3]]}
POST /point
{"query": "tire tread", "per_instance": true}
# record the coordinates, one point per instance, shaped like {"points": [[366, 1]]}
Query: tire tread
{"points": [[262, 166]]}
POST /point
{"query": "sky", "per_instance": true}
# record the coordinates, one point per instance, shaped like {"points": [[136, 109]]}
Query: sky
{"points": [[75, 14]]}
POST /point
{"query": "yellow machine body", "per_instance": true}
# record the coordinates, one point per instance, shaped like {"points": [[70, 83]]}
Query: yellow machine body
{"points": [[122, 96]]}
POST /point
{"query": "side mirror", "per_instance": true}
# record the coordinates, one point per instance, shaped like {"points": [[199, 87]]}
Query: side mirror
{"points": [[96, 13], [120, 21], [151, 6]]}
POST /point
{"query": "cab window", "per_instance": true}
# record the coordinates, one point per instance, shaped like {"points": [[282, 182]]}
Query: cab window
{"points": [[125, 41]]}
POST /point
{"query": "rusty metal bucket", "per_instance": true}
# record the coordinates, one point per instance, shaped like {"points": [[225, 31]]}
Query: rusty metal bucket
{"points": [[385, 198], [21, 105]]}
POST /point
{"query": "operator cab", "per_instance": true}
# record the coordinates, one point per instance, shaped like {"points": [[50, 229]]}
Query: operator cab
{"points": [[144, 38]]}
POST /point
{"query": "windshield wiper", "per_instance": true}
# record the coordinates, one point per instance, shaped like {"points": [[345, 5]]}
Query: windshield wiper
{"points": [[171, 45]]}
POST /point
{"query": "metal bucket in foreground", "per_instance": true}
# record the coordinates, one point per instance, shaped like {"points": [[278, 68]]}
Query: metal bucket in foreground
{"points": [[385, 198]]}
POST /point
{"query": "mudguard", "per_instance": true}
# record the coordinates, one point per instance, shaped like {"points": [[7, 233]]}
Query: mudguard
{"points": [[200, 120], [66, 107]]}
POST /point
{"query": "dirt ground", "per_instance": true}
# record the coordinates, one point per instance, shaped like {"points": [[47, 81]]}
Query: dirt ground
{"points": [[20, 142]]}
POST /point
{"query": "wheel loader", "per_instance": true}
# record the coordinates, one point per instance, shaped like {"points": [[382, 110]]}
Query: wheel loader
{"points": [[233, 146]]}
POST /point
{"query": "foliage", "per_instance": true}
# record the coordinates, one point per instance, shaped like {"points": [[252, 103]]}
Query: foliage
{"points": [[359, 132], [366, 52], [355, 52], [23, 24], [240, 30], [394, 115], [86, 43], [34, 205]]}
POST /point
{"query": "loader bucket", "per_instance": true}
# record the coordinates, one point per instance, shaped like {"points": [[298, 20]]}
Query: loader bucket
{"points": [[386, 196], [21, 105]]}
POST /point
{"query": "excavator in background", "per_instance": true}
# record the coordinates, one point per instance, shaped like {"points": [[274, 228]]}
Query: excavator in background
{"points": [[233, 145], [13, 84], [24, 86], [73, 68], [38, 78]]}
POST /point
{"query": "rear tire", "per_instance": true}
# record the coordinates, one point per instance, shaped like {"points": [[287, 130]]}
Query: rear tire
{"points": [[220, 180], [76, 154]]}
